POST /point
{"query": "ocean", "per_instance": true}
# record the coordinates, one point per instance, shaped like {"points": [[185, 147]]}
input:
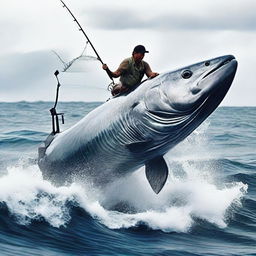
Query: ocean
{"points": [[207, 207]]}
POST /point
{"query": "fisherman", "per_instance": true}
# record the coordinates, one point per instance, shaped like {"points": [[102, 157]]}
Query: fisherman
{"points": [[131, 71]]}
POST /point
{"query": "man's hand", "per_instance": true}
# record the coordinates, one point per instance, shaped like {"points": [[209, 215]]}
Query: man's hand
{"points": [[153, 74], [105, 66], [110, 73]]}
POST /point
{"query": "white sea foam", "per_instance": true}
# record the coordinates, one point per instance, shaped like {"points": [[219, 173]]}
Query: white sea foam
{"points": [[191, 193]]}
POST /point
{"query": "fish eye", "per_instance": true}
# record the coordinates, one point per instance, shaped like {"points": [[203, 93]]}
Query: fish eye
{"points": [[186, 74], [207, 63]]}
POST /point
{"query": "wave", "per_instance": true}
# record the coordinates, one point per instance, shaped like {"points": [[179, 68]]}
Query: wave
{"points": [[18, 141], [182, 202], [24, 133], [21, 137], [192, 195]]}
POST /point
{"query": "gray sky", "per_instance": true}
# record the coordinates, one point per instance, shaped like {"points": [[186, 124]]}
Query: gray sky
{"points": [[176, 32]]}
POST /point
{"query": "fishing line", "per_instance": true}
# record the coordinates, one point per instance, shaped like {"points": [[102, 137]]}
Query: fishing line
{"points": [[87, 38], [71, 66]]}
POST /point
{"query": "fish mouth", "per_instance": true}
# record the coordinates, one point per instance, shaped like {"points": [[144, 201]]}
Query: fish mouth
{"points": [[225, 62], [218, 92], [215, 85]]}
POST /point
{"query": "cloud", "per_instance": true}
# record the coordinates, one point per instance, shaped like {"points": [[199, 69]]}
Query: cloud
{"points": [[20, 69], [25, 75], [207, 17], [176, 33], [10, 33], [30, 76], [115, 19]]}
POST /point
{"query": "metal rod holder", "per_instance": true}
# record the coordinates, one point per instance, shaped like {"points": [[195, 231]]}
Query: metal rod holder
{"points": [[54, 114]]}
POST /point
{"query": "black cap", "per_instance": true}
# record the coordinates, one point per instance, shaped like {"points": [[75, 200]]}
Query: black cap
{"points": [[140, 49]]}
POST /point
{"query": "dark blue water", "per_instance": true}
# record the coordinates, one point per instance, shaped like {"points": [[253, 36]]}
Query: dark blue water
{"points": [[208, 206]]}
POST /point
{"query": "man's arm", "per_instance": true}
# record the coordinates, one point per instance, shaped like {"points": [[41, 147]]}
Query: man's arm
{"points": [[115, 74], [149, 72], [121, 69]]}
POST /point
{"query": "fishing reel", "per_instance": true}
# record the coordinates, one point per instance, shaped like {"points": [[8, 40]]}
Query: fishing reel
{"points": [[111, 86]]}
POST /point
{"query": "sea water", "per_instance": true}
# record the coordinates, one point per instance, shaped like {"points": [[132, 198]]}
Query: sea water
{"points": [[207, 207]]}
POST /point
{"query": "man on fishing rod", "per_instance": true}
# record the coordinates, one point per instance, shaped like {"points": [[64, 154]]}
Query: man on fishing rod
{"points": [[131, 71]]}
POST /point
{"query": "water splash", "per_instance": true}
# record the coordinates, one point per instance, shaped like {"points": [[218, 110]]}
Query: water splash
{"points": [[29, 197], [191, 193], [177, 207]]}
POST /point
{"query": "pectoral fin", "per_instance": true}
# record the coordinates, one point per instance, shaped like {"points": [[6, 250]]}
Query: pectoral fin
{"points": [[157, 173]]}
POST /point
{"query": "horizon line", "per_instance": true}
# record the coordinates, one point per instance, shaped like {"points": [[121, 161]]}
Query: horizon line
{"points": [[46, 101]]}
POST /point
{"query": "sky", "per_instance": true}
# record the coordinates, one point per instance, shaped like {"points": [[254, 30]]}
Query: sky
{"points": [[177, 33]]}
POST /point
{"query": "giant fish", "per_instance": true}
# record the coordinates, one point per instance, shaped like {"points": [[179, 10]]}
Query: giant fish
{"points": [[139, 128]]}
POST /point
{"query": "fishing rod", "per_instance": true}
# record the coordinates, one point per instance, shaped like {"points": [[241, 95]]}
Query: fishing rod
{"points": [[88, 40]]}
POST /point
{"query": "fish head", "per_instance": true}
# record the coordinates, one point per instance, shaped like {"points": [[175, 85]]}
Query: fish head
{"points": [[177, 102], [186, 90]]}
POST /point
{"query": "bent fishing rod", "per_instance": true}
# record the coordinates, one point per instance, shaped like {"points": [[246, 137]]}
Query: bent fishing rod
{"points": [[88, 40]]}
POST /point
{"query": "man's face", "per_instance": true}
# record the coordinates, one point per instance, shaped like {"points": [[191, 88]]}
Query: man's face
{"points": [[138, 56]]}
